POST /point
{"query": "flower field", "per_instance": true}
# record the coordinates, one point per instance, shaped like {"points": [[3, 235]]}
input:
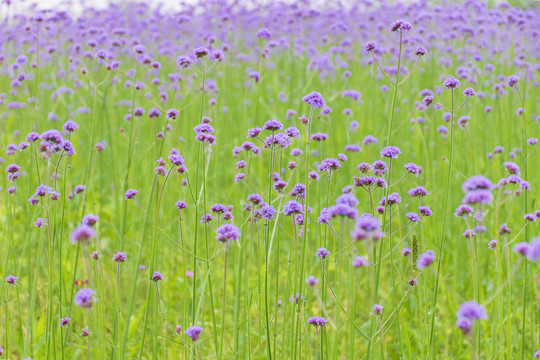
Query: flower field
{"points": [[245, 180]]}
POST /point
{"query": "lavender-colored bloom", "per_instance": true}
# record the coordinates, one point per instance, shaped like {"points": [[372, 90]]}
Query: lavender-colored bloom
{"points": [[317, 321], [272, 125], [184, 61], [194, 332], [83, 234], [390, 152], [130, 194], [319, 137], [464, 324], [512, 80], [413, 169], [377, 310], [312, 280], [119, 257], [267, 212], [70, 126], [451, 83], [369, 46], [227, 232], [360, 261], [329, 165], [406, 252], [292, 207], [90, 219], [298, 191], [157, 276], [425, 259], [343, 210], [425, 211], [314, 99], [322, 253], [418, 191], [463, 211], [200, 52], [468, 92], [64, 321], [84, 297], [533, 253], [12, 280], [413, 217], [264, 33], [472, 310], [400, 26]]}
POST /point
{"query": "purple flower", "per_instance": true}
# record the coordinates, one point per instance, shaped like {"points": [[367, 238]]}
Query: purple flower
{"points": [[200, 52], [322, 253], [369, 46], [413, 169], [377, 310], [472, 310], [406, 252], [84, 296], [194, 332], [512, 80], [317, 321], [425, 211], [184, 61], [413, 217], [70, 126], [425, 259], [360, 261], [272, 125], [267, 212], [468, 92], [83, 234], [264, 33], [420, 51], [292, 207], [12, 280], [64, 321], [157, 276], [314, 99], [400, 26], [329, 165], [311, 280], [119, 257], [227, 232], [390, 152], [90, 219], [130, 194], [418, 191], [464, 324], [451, 83]]}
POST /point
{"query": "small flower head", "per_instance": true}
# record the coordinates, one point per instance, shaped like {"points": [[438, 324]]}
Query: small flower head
{"points": [[12, 280], [227, 232], [390, 152], [157, 277], [314, 99], [194, 332], [84, 297], [119, 257], [377, 310], [322, 253], [130, 194], [451, 83], [400, 26]]}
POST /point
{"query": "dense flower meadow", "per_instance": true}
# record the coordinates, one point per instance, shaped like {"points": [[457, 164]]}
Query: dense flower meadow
{"points": [[284, 181]]}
